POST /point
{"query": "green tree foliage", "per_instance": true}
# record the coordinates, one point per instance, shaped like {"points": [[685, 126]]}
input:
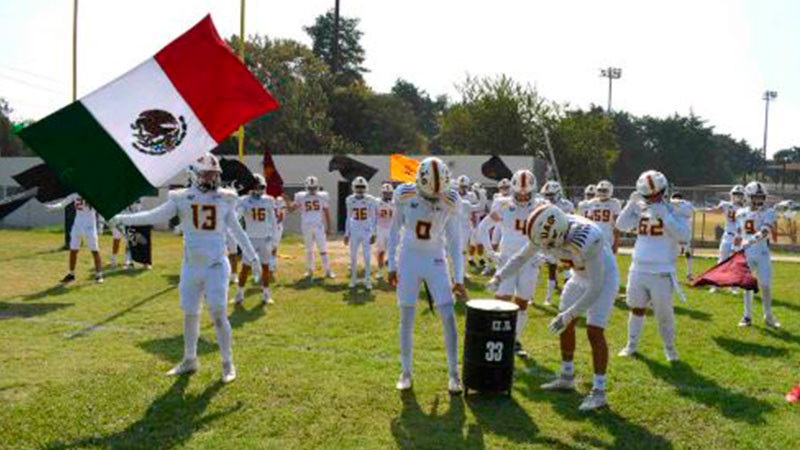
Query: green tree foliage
{"points": [[787, 155], [351, 53], [428, 112], [10, 144], [585, 146]]}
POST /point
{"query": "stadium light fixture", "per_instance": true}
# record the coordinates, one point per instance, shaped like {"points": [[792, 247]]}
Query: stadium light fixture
{"points": [[768, 97], [612, 73]]}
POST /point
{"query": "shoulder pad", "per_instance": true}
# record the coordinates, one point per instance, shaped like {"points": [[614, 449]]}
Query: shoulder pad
{"points": [[404, 192], [228, 194], [451, 197], [177, 193]]}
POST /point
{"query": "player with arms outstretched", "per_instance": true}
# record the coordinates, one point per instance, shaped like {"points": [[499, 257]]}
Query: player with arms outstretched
{"points": [[509, 214], [258, 211], [580, 244], [685, 209], [359, 231], [83, 227], [651, 277], [754, 223], [384, 225], [315, 222], [604, 210], [207, 213], [426, 222]]}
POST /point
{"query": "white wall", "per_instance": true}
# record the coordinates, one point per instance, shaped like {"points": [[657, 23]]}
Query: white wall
{"points": [[293, 168]]}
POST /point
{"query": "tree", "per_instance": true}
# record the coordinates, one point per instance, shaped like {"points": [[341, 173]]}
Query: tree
{"points": [[787, 155], [10, 144], [427, 112], [585, 146], [351, 53]]}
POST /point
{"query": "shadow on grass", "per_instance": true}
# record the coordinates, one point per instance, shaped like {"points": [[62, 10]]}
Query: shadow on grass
{"points": [[358, 297], [696, 387], [25, 310], [117, 315], [173, 279], [783, 335], [322, 283], [782, 304], [242, 316], [169, 421], [501, 415], [52, 291], [415, 429], [625, 433], [32, 255], [695, 314], [741, 348], [122, 272], [171, 348]]}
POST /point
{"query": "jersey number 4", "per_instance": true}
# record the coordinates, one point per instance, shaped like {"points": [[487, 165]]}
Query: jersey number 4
{"points": [[208, 221], [650, 229], [360, 213], [423, 230], [259, 214], [520, 225]]}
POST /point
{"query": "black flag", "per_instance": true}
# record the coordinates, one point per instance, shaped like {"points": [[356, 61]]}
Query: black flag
{"points": [[14, 202], [350, 168], [237, 175], [496, 169], [41, 176]]}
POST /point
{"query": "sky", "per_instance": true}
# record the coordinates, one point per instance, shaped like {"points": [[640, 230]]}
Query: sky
{"points": [[714, 58]]}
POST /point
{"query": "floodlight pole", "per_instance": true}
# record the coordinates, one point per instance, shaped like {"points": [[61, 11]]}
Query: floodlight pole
{"points": [[612, 73], [241, 56], [75, 50], [768, 96]]}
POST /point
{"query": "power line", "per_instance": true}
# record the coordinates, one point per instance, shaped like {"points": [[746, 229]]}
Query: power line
{"points": [[29, 84], [28, 72]]}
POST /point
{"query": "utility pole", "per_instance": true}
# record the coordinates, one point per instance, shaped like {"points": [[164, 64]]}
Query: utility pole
{"points": [[768, 97], [241, 57], [335, 65], [612, 73], [75, 50]]}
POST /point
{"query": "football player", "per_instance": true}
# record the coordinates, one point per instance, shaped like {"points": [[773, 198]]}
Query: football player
{"points": [[84, 227], [207, 213], [728, 209], [315, 222], [604, 210], [579, 243], [754, 223], [280, 216], [685, 208], [359, 229], [118, 235], [651, 277], [551, 191], [426, 220], [464, 217], [509, 215], [384, 224], [583, 205], [258, 211], [477, 213], [503, 191]]}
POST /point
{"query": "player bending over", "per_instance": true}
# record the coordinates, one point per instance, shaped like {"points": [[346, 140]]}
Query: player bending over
{"points": [[315, 222], [755, 222], [425, 214], [206, 213], [258, 211], [651, 277], [83, 227], [591, 290], [359, 230], [384, 224], [510, 214]]}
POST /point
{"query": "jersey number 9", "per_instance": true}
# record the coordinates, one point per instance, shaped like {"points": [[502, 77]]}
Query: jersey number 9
{"points": [[209, 220]]}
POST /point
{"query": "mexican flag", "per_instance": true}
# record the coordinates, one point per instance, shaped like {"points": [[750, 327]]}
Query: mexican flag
{"points": [[140, 130]]}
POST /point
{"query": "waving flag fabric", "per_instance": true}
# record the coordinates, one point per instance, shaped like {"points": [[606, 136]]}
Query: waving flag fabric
{"points": [[731, 272], [143, 128], [402, 168]]}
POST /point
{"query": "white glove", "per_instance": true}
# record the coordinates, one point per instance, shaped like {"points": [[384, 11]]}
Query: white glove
{"points": [[559, 323], [493, 284]]}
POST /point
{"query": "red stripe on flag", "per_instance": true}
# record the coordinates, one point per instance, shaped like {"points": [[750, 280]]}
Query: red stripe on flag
{"points": [[734, 271], [220, 90]]}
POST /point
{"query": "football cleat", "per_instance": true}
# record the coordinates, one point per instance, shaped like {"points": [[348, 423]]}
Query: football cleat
{"points": [[794, 395], [745, 322], [266, 299], [69, 278], [561, 383], [734, 291], [228, 372], [239, 298], [404, 383], [185, 366], [454, 386], [519, 351], [713, 290], [548, 301], [368, 285], [671, 353], [112, 264], [308, 275], [330, 274], [772, 322], [98, 278], [352, 284], [595, 399], [627, 352]]}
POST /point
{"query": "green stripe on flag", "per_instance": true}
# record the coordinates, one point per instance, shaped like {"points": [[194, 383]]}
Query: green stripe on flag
{"points": [[84, 157]]}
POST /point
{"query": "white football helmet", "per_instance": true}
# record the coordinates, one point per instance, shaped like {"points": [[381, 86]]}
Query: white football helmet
{"points": [[652, 185], [756, 193], [551, 191], [504, 187], [523, 185], [463, 182], [260, 186], [547, 226], [589, 192], [433, 177], [387, 191], [207, 173], [312, 184], [737, 194], [360, 186], [604, 190]]}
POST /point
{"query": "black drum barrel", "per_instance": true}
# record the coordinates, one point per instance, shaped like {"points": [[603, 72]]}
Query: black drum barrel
{"points": [[489, 345]]}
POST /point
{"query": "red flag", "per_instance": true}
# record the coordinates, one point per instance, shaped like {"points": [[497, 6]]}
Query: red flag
{"points": [[731, 272], [274, 180]]}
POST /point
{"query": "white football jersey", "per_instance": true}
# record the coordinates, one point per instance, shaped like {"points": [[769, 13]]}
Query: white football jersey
{"points": [[385, 214], [583, 208], [513, 218], [658, 239], [259, 215], [750, 221], [312, 207], [463, 215], [361, 215], [604, 213], [565, 205], [729, 210], [280, 210], [85, 215]]}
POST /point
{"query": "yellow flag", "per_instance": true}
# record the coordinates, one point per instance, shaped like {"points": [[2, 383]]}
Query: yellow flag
{"points": [[402, 169]]}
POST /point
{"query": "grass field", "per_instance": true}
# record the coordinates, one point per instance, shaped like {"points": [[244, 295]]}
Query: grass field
{"points": [[82, 367]]}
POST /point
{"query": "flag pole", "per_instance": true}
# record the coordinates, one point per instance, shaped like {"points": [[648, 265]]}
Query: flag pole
{"points": [[241, 56], [75, 50]]}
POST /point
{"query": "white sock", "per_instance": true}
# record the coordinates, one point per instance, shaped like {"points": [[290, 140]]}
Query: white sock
{"points": [[310, 260], [266, 293], [599, 381], [191, 333], [522, 320], [326, 265], [239, 290], [748, 304], [568, 368], [766, 301], [224, 333], [113, 259], [689, 265], [635, 327], [450, 332], [406, 337]]}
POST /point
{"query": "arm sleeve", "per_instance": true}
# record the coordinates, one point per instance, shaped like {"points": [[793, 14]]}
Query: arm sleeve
{"points": [[347, 218], [453, 231], [517, 261], [594, 277], [394, 237], [628, 218], [235, 229], [483, 232], [160, 214], [677, 226], [273, 220], [63, 203], [373, 214]]}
